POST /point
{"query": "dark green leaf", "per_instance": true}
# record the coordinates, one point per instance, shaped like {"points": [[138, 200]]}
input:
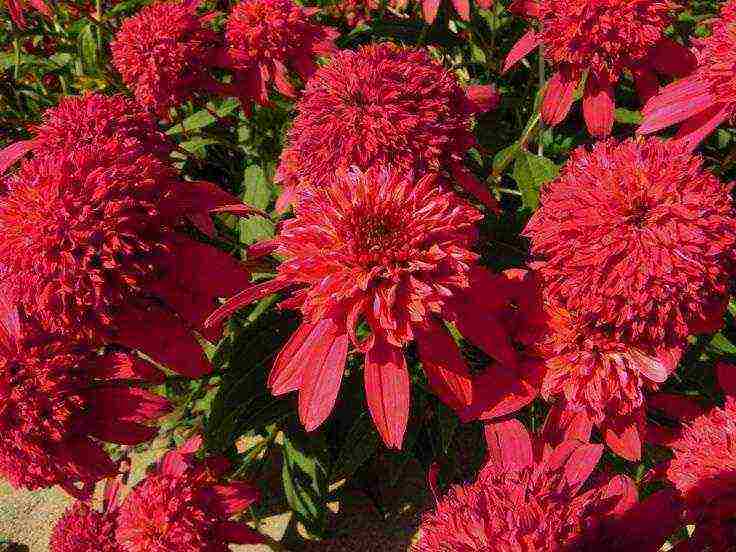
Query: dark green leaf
{"points": [[361, 443], [530, 172], [305, 483]]}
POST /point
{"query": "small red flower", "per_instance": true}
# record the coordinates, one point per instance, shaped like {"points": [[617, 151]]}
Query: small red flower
{"points": [[266, 38], [386, 250], [704, 471], [186, 505], [535, 502], [88, 119], [83, 529], [638, 239], [90, 243], [705, 99], [462, 7], [605, 39], [599, 380], [60, 400], [385, 106], [16, 7], [163, 53]]}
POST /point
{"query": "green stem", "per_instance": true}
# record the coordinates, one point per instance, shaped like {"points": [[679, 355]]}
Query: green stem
{"points": [[16, 59], [542, 83]]}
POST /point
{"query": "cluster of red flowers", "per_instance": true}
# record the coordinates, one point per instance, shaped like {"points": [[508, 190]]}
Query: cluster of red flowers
{"points": [[185, 504]]}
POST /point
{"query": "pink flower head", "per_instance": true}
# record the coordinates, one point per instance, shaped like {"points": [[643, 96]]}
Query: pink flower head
{"points": [[186, 505], [163, 53], [605, 38], [266, 38], [89, 119], [532, 502], [599, 380], [91, 249], [637, 238], [84, 529], [381, 248], [60, 400], [705, 99], [704, 471], [384, 105]]}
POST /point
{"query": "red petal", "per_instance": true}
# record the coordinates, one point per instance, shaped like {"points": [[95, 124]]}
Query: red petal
{"points": [[624, 439], [562, 425], [697, 128], [675, 103], [446, 370], [647, 84], [128, 404], [286, 374], [677, 407], [650, 367], [387, 390], [192, 293], [41, 6], [726, 373], [429, 10], [86, 460], [462, 7], [245, 298], [238, 533], [323, 370], [521, 49], [234, 497], [673, 59], [558, 96], [164, 338], [581, 464], [598, 107], [509, 444], [286, 198], [470, 183], [125, 366], [120, 432], [528, 8], [16, 13], [12, 153]]}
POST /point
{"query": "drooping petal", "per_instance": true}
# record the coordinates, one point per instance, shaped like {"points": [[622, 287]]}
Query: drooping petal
{"points": [[321, 382], [675, 103], [233, 497], [563, 424], [624, 439], [647, 84], [528, 8], [286, 374], [469, 182], [387, 389], [160, 335], [12, 153], [598, 107], [581, 464], [447, 373], [238, 533], [521, 49], [120, 432], [483, 97], [245, 298], [125, 366], [462, 7], [429, 10], [126, 404], [697, 128], [559, 95], [673, 59], [509, 444]]}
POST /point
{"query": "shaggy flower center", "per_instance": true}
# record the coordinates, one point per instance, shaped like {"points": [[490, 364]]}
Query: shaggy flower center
{"points": [[377, 238]]}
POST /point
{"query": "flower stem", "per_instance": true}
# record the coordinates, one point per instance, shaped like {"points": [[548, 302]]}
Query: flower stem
{"points": [[542, 83]]}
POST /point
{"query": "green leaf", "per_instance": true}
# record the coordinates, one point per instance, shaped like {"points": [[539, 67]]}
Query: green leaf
{"points": [[721, 344], [305, 483], [203, 117], [361, 443], [258, 190], [447, 423], [254, 229], [628, 117], [88, 48], [504, 157], [477, 54], [530, 172]]}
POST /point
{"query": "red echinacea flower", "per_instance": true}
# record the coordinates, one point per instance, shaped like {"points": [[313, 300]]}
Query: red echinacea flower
{"points": [[605, 39], [599, 380], [638, 239], [15, 9], [163, 54], [84, 529], [705, 99], [266, 38], [60, 401], [186, 504], [537, 501], [383, 105], [386, 250], [91, 248], [89, 119], [704, 471]]}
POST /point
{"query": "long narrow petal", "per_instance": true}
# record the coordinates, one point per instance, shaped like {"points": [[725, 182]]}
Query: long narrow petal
{"points": [[521, 49], [287, 371], [675, 103], [598, 107], [234, 497], [238, 533], [125, 366], [581, 464], [12, 153], [120, 432], [321, 384], [647, 84], [525, 8], [559, 96], [245, 298], [470, 183], [387, 390], [446, 370], [126, 404], [161, 336], [697, 128], [509, 444]]}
